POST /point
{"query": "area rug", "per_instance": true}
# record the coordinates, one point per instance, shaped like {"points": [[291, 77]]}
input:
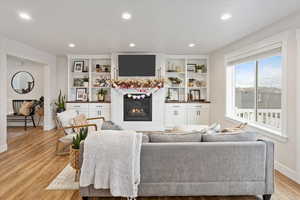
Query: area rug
{"points": [[65, 180]]}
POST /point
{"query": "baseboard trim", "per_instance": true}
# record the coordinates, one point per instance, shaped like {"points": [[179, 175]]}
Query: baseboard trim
{"points": [[291, 174], [3, 148]]}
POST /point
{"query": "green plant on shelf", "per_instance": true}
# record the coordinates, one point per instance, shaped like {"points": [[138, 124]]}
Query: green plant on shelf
{"points": [[101, 94], [200, 68]]}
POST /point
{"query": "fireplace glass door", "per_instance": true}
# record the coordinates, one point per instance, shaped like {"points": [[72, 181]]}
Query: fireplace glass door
{"points": [[138, 108]]}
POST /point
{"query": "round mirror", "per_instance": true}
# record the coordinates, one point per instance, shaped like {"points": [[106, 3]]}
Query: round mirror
{"points": [[22, 82]]}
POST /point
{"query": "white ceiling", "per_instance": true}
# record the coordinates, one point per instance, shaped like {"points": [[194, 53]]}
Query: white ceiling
{"points": [[168, 26]]}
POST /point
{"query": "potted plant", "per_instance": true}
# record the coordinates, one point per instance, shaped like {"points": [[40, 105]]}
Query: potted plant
{"points": [[60, 103], [200, 69], [101, 94], [75, 147]]}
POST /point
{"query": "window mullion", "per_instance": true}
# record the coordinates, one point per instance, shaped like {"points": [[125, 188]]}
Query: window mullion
{"points": [[256, 91]]}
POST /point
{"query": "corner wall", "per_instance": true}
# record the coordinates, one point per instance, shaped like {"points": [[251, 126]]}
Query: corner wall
{"points": [[285, 151]]}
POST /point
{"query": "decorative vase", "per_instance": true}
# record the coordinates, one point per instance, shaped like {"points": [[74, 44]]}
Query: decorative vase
{"points": [[101, 97], [74, 158], [74, 161], [59, 110]]}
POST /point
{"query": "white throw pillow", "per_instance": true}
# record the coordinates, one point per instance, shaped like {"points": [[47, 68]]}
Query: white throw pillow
{"points": [[66, 119], [213, 129]]}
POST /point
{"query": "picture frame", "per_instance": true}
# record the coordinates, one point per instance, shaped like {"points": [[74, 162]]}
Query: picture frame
{"points": [[78, 66], [173, 94], [81, 94], [191, 67], [85, 67], [195, 95]]}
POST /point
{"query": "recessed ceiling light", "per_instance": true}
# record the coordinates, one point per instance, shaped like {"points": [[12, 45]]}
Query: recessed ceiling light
{"points": [[226, 16], [191, 45], [132, 45], [25, 16], [72, 45], [126, 15]]}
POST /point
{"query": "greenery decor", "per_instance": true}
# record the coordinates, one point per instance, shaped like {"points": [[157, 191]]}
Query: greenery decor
{"points": [[142, 83], [200, 68], [101, 94], [79, 137], [61, 103]]}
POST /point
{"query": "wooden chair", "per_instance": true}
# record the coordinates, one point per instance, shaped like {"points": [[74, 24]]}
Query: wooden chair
{"points": [[16, 117], [65, 140]]}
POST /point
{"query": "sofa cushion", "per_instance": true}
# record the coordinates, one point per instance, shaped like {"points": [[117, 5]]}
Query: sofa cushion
{"points": [[109, 125], [232, 137], [189, 137], [145, 138], [26, 108]]}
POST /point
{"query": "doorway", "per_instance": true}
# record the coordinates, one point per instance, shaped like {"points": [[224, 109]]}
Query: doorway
{"points": [[25, 87]]}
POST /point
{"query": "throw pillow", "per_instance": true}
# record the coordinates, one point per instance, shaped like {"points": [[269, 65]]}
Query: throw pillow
{"points": [[79, 120], [237, 129], [145, 139], [82, 120], [65, 118], [160, 138], [25, 108], [235, 137]]}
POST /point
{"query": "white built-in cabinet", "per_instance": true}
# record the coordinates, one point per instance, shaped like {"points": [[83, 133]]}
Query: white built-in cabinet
{"points": [[91, 110], [178, 114]]}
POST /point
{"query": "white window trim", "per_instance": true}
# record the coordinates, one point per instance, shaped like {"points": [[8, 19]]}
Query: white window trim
{"points": [[276, 41]]}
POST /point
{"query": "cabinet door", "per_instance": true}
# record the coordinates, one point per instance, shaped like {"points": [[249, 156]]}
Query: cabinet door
{"points": [[81, 108], [198, 115], [99, 110], [203, 117], [175, 115]]}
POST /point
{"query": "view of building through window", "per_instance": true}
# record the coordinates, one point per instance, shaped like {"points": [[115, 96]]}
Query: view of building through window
{"points": [[258, 91]]}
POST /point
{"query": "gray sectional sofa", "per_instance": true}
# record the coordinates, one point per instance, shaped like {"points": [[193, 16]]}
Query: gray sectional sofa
{"points": [[202, 169]]}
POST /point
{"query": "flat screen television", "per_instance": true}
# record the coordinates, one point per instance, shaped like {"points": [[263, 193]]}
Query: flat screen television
{"points": [[136, 65]]}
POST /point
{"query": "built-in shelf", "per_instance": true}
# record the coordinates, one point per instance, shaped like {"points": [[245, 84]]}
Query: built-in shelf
{"points": [[99, 73], [191, 80]]}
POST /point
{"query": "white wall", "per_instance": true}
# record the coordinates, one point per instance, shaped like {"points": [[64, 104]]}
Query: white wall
{"points": [[17, 49], [3, 92], [35, 69], [285, 151], [62, 74]]}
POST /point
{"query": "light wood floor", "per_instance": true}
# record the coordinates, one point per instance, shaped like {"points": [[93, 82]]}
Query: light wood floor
{"points": [[31, 164]]}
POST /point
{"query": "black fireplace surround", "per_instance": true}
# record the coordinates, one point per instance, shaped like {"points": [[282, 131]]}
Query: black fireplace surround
{"points": [[137, 109]]}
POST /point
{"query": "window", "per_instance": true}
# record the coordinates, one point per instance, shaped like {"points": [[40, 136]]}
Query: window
{"points": [[256, 89]]}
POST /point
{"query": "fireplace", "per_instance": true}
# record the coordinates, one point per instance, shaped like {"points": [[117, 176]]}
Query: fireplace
{"points": [[137, 107]]}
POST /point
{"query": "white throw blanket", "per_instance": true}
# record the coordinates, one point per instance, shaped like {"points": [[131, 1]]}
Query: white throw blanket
{"points": [[111, 160]]}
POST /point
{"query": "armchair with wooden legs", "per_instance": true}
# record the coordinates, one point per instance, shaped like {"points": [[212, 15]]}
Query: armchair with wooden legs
{"points": [[64, 140]]}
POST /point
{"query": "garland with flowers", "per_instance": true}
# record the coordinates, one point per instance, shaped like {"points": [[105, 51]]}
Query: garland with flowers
{"points": [[138, 83]]}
